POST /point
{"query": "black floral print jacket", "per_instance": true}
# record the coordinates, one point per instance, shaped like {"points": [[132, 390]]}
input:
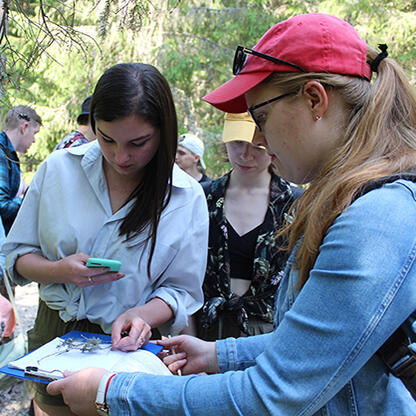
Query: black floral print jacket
{"points": [[269, 262]]}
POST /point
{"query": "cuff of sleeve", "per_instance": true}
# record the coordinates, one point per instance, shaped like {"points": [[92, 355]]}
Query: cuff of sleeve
{"points": [[118, 392], [100, 398], [226, 354], [179, 320], [11, 261]]}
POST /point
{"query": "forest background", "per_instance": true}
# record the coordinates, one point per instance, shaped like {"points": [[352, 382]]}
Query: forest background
{"points": [[53, 52]]}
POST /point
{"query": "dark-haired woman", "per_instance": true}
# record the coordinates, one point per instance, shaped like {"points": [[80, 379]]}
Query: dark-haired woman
{"points": [[120, 197]]}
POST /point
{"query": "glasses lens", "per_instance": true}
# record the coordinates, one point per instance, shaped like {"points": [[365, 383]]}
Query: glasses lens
{"points": [[239, 60], [253, 116]]}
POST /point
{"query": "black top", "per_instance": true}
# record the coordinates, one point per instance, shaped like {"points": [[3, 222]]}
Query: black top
{"points": [[205, 182], [267, 265], [241, 249]]}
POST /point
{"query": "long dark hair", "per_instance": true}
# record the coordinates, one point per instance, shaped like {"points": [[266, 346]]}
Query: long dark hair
{"points": [[140, 89]]}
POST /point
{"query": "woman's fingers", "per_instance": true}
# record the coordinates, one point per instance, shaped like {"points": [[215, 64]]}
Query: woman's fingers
{"points": [[95, 279], [177, 365], [138, 335], [172, 358], [75, 271], [174, 342]]}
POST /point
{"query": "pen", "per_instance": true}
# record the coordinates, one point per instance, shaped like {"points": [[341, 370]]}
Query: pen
{"points": [[174, 352]]}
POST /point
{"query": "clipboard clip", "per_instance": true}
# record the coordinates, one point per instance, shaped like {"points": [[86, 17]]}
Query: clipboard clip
{"points": [[36, 372]]}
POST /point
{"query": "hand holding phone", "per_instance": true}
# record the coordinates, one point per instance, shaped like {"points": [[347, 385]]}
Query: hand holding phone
{"points": [[113, 265]]}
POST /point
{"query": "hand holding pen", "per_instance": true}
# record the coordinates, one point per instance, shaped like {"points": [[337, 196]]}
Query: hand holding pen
{"points": [[190, 355], [179, 371]]}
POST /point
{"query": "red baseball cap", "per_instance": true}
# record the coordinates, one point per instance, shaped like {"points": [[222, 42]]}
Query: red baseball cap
{"points": [[316, 42]]}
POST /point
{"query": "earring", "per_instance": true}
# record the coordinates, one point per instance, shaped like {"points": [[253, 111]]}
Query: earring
{"points": [[316, 117]]}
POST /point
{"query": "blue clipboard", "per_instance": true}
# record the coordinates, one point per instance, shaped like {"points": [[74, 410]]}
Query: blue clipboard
{"points": [[14, 372]]}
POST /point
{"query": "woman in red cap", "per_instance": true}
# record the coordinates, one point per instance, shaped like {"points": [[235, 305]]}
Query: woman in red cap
{"points": [[350, 280]]}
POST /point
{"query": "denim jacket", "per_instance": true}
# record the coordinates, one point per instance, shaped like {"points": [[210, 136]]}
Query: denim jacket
{"points": [[320, 359]]}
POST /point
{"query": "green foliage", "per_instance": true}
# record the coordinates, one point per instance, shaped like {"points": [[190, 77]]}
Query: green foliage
{"points": [[191, 42]]}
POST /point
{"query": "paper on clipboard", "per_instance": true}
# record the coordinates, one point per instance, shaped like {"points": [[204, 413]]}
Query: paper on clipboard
{"points": [[51, 360]]}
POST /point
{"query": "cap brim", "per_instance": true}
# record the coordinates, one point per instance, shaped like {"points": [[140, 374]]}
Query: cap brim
{"points": [[229, 97], [82, 115], [238, 130]]}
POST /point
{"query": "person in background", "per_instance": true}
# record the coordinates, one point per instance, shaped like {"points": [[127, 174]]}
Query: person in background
{"points": [[247, 206], [7, 320], [341, 116], [7, 316], [189, 157], [20, 127], [83, 134], [133, 200]]}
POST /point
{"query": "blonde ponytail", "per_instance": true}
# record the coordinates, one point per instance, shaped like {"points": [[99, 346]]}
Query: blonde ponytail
{"points": [[379, 140]]}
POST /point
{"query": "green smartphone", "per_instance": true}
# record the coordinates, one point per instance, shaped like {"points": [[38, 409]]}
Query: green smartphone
{"points": [[113, 265]]}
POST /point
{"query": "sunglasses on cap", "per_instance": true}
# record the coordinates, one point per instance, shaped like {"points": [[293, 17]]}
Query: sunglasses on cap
{"points": [[23, 116], [242, 53]]}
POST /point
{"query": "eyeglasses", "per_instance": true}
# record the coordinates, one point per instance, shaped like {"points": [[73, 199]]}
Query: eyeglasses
{"points": [[257, 119], [23, 116], [242, 52]]}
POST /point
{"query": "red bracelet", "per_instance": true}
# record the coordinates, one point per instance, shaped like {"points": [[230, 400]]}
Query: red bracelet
{"points": [[107, 386]]}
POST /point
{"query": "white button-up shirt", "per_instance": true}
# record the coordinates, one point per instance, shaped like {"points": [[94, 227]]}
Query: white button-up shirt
{"points": [[67, 210]]}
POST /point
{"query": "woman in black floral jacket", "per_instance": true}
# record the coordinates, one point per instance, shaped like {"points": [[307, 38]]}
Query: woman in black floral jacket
{"points": [[246, 208]]}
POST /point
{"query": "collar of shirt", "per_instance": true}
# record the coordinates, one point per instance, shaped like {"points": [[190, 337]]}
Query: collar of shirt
{"points": [[7, 146], [91, 152], [5, 140]]}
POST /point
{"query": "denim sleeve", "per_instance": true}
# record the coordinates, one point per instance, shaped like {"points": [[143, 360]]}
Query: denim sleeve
{"points": [[240, 353], [360, 289]]}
